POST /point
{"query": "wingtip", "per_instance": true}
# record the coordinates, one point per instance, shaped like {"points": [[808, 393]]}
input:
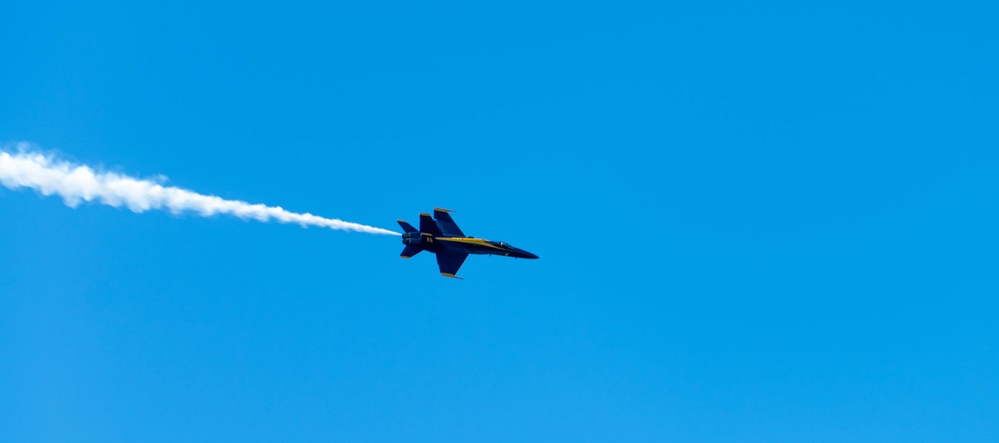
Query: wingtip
{"points": [[451, 275], [442, 210]]}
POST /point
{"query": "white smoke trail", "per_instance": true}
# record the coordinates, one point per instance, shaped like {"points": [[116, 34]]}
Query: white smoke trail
{"points": [[78, 183]]}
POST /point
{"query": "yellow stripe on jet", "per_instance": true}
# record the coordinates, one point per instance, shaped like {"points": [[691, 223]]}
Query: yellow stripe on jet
{"points": [[470, 240]]}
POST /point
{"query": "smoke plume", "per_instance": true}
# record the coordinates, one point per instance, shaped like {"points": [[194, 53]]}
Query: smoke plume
{"points": [[80, 183]]}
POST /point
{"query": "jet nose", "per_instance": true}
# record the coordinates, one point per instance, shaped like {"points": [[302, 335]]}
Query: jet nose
{"points": [[527, 254]]}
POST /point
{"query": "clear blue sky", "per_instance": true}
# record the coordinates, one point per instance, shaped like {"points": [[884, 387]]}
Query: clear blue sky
{"points": [[773, 222]]}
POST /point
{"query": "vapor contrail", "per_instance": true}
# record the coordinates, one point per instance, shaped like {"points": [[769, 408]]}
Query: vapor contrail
{"points": [[79, 183]]}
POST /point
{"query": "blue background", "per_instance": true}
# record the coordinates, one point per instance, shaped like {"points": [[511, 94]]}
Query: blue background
{"points": [[767, 222]]}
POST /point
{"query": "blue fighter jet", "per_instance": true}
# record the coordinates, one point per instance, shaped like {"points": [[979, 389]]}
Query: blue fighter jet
{"points": [[441, 236]]}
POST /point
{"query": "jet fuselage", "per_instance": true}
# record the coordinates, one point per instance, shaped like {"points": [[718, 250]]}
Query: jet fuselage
{"points": [[468, 245], [442, 236]]}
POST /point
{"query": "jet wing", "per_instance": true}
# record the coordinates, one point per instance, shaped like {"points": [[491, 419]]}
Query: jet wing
{"points": [[449, 262], [447, 224]]}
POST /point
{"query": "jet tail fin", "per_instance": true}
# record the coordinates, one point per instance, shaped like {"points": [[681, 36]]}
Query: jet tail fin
{"points": [[429, 226], [407, 227]]}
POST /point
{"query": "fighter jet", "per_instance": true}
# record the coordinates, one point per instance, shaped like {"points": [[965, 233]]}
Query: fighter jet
{"points": [[441, 236]]}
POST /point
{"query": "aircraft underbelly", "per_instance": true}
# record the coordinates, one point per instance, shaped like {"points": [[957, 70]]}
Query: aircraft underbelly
{"points": [[466, 248], [469, 248]]}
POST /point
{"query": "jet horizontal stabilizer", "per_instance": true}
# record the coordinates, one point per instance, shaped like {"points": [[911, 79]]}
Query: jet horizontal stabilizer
{"points": [[407, 227], [410, 250]]}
